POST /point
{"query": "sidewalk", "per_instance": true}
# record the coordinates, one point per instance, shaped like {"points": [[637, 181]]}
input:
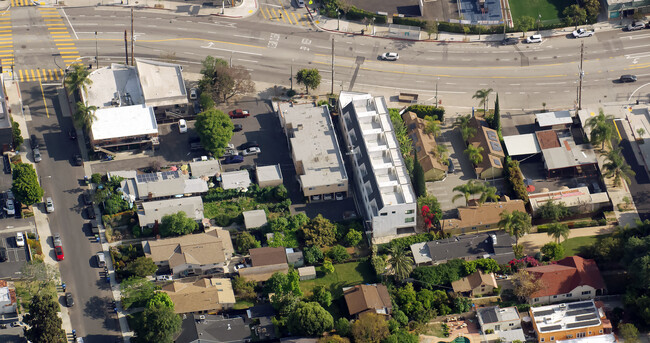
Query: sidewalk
{"points": [[41, 221], [244, 9]]}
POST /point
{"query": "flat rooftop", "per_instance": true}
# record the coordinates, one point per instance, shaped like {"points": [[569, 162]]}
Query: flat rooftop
{"points": [[525, 144], [162, 83], [110, 122], [115, 85], [571, 316], [314, 144], [554, 118]]}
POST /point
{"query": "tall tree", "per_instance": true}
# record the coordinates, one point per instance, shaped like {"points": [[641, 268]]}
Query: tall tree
{"points": [[557, 231], [310, 78], [463, 124], [628, 332], [602, 128], [84, 116], [524, 24], [319, 231], [418, 177], [515, 223], [215, 130], [43, 321], [475, 154], [245, 241], [482, 96], [136, 291], [488, 193], [593, 9], [25, 184], [177, 224], [77, 79], [322, 296], [432, 126], [496, 118], [575, 15], [309, 318], [526, 284], [223, 81], [370, 328], [158, 324], [401, 264], [467, 190], [141, 267], [616, 167], [553, 251]]}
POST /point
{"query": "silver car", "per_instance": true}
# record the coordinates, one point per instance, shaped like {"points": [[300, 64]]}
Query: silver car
{"points": [[390, 56], [49, 205], [37, 155]]}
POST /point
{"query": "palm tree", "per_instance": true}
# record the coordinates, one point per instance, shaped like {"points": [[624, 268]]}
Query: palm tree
{"points": [[557, 230], [475, 154], [463, 124], [85, 115], [482, 95], [77, 79], [616, 167], [467, 190], [488, 193], [401, 265], [440, 151], [602, 128], [516, 224], [432, 126]]}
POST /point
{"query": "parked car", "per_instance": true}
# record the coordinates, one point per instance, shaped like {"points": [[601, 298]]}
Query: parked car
{"points": [[581, 33], [510, 41], [90, 212], [37, 155], [534, 39], [239, 113], [229, 152], [194, 93], [627, 78], [9, 207], [33, 142], [239, 266], [101, 259], [233, 159], [72, 134], [389, 56], [251, 151], [637, 25], [249, 144], [69, 301], [58, 251], [339, 196], [300, 3], [88, 200], [49, 205], [3, 254], [20, 239], [77, 160], [164, 278], [182, 126], [237, 128], [450, 166]]}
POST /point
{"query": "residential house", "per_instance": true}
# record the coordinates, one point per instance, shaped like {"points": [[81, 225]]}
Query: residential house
{"points": [[254, 219], [139, 187], [262, 315], [495, 245], [7, 298], [571, 278], [315, 150], [477, 283], [238, 179], [150, 213], [480, 217], [578, 200], [563, 157], [200, 296], [579, 322], [208, 328], [295, 257], [265, 262], [492, 164], [201, 251], [523, 146], [425, 146], [368, 298], [269, 176], [384, 194], [204, 168], [499, 319]]}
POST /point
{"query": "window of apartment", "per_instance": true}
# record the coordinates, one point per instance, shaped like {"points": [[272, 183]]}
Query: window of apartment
{"points": [[581, 335], [569, 295], [586, 292], [383, 214], [536, 299], [393, 212], [542, 339], [311, 188], [410, 211], [409, 220], [569, 336], [552, 338], [555, 297], [341, 185], [487, 226], [600, 331], [474, 228], [590, 333], [363, 170], [511, 324]]}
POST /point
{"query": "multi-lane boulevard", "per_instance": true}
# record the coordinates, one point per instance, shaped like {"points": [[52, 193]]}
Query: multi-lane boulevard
{"points": [[45, 41]]}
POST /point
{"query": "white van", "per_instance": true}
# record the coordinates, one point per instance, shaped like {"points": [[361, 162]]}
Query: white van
{"points": [[101, 259], [534, 39]]}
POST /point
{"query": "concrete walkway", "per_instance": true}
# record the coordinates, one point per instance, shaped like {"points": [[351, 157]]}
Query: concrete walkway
{"points": [[242, 8]]}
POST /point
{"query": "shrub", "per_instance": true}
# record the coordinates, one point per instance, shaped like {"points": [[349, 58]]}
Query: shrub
{"points": [[96, 178], [516, 180], [406, 242], [338, 254], [410, 22], [438, 113]]}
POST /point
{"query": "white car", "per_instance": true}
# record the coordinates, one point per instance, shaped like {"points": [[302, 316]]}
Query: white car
{"points": [[182, 126], [251, 151], [49, 205], [389, 56], [581, 33], [534, 39], [9, 207], [20, 239], [194, 94], [300, 3], [164, 278]]}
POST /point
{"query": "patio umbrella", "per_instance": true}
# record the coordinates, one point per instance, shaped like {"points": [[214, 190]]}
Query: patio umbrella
{"points": [[530, 188]]}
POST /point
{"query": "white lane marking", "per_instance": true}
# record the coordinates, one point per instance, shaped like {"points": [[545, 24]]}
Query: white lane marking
{"points": [[550, 83], [243, 60], [210, 46], [249, 37], [69, 23], [636, 46]]}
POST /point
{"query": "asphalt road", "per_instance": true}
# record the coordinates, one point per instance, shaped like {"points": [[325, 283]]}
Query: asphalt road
{"points": [[90, 315]]}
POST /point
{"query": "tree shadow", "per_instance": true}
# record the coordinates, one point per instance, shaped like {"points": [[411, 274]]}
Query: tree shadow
{"points": [[96, 307]]}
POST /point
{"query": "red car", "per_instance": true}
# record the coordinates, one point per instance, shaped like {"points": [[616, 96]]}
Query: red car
{"points": [[58, 251], [239, 113]]}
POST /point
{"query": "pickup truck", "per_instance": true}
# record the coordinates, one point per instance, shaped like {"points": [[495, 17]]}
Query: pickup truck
{"points": [[580, 33], [95, 226], [407, 97]]}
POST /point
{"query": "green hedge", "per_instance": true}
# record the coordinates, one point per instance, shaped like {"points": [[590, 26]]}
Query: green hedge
{"points": [[575, 225], [354, 13], [516, 180], [427, 110], [410, 21]]}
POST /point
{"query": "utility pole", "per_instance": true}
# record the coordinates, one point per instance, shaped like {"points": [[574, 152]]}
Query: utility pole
{"points": [[332, 92], [132, 38], [582, 74], [96, 52], [291, 76], [126, 49], [437, 92]]}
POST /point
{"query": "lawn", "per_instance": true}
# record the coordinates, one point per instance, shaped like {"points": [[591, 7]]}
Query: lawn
{"points": [[573, 246], [345, 274], [549, 9]]}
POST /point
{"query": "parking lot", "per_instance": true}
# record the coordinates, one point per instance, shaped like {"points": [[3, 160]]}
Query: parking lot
{"points": [[16, 256]]}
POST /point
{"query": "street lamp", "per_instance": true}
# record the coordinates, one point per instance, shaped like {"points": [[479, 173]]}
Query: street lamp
{"points": [[437, 91], [96, 52], [539, 19], [291, 76], [338, 19]]}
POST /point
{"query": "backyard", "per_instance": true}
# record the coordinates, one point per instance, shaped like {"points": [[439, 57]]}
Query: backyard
{"points": [[574, 246], [550, 10]]}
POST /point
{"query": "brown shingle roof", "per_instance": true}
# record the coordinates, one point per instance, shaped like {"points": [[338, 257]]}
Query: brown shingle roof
{"points": [[424, 141], [547, 139], [487, 214], [473, 281], [203, 248], [267, 256], [362, 298], [201, 295], [566, 275]]}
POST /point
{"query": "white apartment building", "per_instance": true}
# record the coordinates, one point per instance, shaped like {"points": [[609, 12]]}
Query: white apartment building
{"points": [[384, 194], [315, 151]]}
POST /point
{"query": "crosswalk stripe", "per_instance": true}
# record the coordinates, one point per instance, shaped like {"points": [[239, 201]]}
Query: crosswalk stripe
{"points": [[68, 52], [295, 19], [33, 78], [263, 14], [60, 36]]}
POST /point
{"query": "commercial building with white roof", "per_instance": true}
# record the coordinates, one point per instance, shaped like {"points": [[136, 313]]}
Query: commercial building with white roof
{"points": [[315, 150], [554, 120], [384, 194]]}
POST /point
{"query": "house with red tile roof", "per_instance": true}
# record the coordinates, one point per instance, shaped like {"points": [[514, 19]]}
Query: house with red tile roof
{"points": [[570, 279]]}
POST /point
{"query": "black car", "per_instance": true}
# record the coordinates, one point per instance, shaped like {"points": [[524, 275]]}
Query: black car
{"points": [[69, 301], [3, 254], [90, 212], [33, 142], [233, 159], [509, 41], [88, 200], [77, 160], [450, 166], [247, 145], [627, 78], [237, 128], [73, 134]]}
